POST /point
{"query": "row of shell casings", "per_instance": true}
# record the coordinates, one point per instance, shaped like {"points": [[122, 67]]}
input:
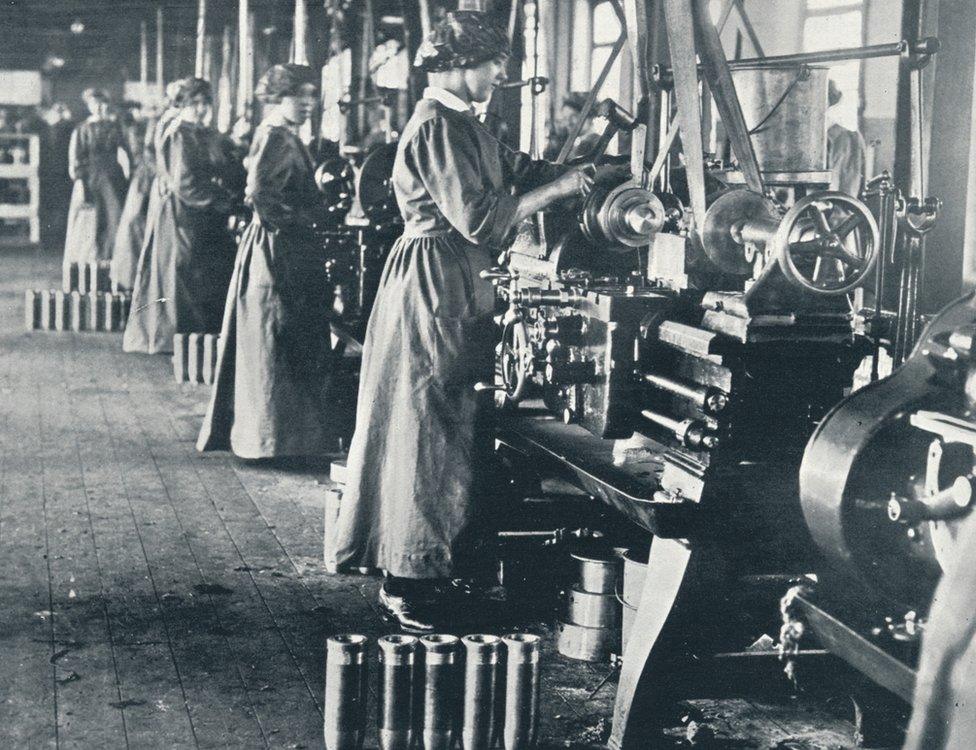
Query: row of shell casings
{"points": [[435, 692]]}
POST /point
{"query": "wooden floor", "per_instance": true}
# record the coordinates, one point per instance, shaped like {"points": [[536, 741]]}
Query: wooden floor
{"points": [[154, 597]]}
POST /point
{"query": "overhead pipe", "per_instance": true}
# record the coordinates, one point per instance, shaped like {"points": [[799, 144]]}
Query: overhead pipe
{"points": [[200, 66], [160, 80], [144, 60]]}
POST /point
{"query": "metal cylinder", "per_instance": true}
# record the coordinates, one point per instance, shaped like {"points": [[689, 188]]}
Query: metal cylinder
{"points": [[395, 711], [521, 690], [786, 106], [587, 644], [345, 692], [592, 610], [32, 309], [478, 723], [441, 699], [598, 572]]}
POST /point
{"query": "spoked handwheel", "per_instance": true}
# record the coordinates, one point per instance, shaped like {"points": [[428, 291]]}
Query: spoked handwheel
{"points": [[515, 359], [827, 243]]}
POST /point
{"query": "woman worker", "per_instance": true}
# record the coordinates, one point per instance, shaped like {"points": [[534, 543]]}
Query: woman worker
{"points": [[411, 504], [94, 164], [187, 258], [273, 371]]}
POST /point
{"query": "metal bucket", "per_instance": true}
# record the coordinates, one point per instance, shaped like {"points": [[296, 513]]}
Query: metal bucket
{"points": [[599, 572], [787, 107], [635, 568]]}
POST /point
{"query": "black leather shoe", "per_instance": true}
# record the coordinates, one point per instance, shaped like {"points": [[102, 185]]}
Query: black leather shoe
{"points": [[414, 614]]}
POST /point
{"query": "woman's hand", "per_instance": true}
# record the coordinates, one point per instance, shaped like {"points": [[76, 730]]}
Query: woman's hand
{"points": [[577, 181]]}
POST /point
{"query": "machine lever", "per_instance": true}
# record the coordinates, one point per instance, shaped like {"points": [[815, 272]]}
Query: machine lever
{"points": [[952, 502]]}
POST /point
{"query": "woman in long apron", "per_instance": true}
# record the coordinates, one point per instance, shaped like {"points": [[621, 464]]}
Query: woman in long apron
{"points": [[270, 396], [187, 258], [99, 183], [131, 232], [411, 505]]}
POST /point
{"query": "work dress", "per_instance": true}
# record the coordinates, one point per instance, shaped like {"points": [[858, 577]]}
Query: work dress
{"points": [[99, 182], [414, 496], [188, 254], [271, 392], [132, 223]]}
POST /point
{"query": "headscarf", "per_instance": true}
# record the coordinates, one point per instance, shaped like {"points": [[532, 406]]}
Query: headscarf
{"points": [[464, 39], [191, 87], [284, 80], [94, 95], [172, 91]]}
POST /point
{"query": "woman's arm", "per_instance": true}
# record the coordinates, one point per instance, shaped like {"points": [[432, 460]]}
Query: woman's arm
{"points": [[447, 156], [192, 173]]}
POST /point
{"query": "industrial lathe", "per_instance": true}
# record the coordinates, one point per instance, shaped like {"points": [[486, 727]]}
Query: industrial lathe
{"points": [[672, 341]]}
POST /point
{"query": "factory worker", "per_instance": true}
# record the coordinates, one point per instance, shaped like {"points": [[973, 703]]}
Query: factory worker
{"points": [[188, 255], [270, 396], [139, 201], [96, 153], [411, 505]]}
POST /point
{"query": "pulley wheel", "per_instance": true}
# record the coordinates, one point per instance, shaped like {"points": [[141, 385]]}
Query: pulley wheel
{"points": [[827, 243], [375, 185], [730, 210]]}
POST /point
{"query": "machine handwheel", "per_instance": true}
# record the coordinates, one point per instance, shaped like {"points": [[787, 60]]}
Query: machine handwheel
{"points": [[827, 243], [515, 359]]}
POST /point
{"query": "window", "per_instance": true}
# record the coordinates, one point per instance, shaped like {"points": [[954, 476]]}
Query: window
{"points": [[834, 24], [605, 31]]}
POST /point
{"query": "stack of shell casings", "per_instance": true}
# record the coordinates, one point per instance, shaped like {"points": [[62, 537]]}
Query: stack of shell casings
{"points": [[437, 692], [590, 629], [345, 692]]}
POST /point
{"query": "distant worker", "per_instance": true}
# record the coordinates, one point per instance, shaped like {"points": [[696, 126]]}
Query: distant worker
{"points": [[845, 150], [271, 392], [95, 156], [566, 122], [186, 263]]}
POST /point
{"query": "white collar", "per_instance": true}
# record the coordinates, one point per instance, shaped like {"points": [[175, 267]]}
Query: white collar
{"points": [[449, 100], [276, 118]]}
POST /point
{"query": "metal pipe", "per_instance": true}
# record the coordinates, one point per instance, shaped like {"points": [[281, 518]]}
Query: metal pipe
{"points": [[441, 699], [884, 188], [245, 50], [521, 690], [927, 46], [199, 69], [395, 710], [345, 692], [144, 60], [478, 723], [160, 86], [712, 400], [300, 45]]}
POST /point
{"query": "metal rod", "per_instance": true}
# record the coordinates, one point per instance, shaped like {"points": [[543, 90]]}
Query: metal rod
{"points": [[199, 66], [927, 46], [160, 85], [144, 59], [245, 50], [300, 45]]}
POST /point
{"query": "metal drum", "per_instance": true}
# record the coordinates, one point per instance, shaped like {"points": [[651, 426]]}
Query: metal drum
{"points": [[599, 571], [592, 610], [587, 644], [785, 109]]}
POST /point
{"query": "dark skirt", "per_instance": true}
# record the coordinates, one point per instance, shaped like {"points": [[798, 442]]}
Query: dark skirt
{"points": [[271, 395], [414, 465], [182, 279]]}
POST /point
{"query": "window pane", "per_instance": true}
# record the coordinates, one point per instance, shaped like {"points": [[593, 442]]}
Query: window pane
{"points": [[611, 86], [606, 27], [825, 4], [833, 31]]}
